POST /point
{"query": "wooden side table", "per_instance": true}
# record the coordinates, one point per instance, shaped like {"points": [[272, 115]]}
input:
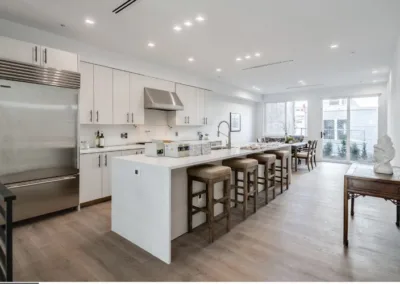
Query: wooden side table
{"points": [[361, 180]]}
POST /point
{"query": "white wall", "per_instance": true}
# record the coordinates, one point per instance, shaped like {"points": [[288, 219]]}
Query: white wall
{"points": [[218, 108], [315, 97], [393, 103]]}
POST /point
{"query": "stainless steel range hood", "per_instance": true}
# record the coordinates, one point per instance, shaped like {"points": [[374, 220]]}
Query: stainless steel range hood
{"points": [[161, 100]]}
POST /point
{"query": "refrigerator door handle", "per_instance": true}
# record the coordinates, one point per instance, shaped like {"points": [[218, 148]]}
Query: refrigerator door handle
{"points": [[39, 182]]}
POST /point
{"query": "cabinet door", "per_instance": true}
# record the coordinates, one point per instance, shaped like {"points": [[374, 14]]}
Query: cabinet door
{"points": [[201, 119], [86, 114], [102, 95], [208, 118], [59, 59], [191, 110], [90, 177], [187, 96], [106, 172], [121, 113], [137, 83], [19, 51]]}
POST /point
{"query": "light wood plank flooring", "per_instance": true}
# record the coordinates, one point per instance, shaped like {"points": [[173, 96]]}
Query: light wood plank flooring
{"points": [[297, 237]]}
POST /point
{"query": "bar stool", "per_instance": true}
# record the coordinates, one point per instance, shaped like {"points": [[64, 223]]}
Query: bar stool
{"points": [[210, 175], [248, 167], [268, 161], [282, 156]]}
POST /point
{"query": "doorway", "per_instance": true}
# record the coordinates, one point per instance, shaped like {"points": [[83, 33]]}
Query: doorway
{"points": [[350, 129]]}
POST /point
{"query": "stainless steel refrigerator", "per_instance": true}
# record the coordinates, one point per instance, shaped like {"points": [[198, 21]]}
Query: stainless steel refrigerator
{"points": [[38, 138]]}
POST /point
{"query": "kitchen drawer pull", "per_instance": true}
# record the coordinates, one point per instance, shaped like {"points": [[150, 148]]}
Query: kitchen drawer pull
{"points": [[97, 113], [45, 55], [99, 162], [132, 117], [127, 117], [35, 53], [105, 162], [91, 116], [44, 181]]}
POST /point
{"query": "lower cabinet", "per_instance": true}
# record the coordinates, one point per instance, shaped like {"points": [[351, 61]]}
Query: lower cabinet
{"points": [[95, 174]]}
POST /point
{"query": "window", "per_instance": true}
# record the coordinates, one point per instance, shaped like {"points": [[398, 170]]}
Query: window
{"points": [[329, 129], [286, 118], [341, 129]]}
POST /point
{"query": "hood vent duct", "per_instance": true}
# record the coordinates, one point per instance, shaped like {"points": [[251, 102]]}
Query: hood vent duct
{"points": [[161, 100], [123, 6], [34, 74], [268, 64]]}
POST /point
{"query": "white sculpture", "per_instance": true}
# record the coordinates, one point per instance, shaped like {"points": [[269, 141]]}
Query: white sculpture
{"points": [[383, 154]]}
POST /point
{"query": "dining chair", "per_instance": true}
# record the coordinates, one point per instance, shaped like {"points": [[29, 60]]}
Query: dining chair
{"points": [[307, 156], [315, 152]]}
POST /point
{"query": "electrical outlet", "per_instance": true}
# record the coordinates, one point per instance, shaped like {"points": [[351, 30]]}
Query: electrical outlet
{"points": [[176, 134], [137, 172]]}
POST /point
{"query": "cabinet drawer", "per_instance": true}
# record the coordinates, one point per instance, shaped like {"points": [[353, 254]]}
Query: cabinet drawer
{"points": [[379, 189]]}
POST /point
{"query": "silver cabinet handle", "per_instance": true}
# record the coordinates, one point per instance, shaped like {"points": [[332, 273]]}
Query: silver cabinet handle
{"points": [[132, 117], [91, 116], [43, 181], [45, 55], [99, 162], [97, 113], [127, 117], [105, 160], [36, 53]]}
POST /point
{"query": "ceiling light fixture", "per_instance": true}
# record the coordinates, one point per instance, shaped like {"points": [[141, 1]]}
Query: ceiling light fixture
{"points": [[301, 82], [256, 88], [89, 21], [239, 59], [247, 56], [375, 81], [334, 46], [190, 59], [151, 44], [188, 23], [200, 19], [374, 71], [177, 28], [219, 69], [257, 54]]}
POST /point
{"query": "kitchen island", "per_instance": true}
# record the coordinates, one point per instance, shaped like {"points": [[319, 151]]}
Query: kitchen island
{"points": [[149, 196]]}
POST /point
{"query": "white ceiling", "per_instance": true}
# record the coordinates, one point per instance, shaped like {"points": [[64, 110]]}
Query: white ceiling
{"points": [[280, 29]]}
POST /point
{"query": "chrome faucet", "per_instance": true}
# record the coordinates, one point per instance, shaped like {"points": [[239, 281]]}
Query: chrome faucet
{"points": [[229, 133]]}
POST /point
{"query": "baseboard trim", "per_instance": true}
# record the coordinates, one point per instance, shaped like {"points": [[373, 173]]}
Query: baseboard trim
{"points": [[97, 201]]}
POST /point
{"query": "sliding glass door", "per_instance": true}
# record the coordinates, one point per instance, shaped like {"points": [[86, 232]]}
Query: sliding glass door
{"points": [[350, 129]]}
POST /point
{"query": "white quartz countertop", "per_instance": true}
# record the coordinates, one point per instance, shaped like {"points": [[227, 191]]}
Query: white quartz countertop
{"points": [[216, 155], [111, 149]]}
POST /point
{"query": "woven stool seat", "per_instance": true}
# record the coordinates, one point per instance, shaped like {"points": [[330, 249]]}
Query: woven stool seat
{"points": [[238, 163], [208, 171]]}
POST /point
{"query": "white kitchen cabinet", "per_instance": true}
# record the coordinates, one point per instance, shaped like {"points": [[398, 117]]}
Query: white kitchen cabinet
{"points": [[90, 187], [59, 59], [106, 172], [137, 83], [86, 95], [121, 100], [19, 51], [103, 88], [201, 117]]}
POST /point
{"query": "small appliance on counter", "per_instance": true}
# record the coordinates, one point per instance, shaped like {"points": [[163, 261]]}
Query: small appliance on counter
{"points": [[195, 148], [205, 148], [177, 150], [155, 149]]}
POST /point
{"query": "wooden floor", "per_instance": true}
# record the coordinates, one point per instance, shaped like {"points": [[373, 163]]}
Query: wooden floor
{"points": [[297, 237]]}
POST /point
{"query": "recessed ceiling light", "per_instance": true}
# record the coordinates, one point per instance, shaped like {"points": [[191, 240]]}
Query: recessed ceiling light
{"points": [[257, 54], [151, 44], [89, 21], [219, 69], [239, 59], [188, 23], [248, 56], [374, 71], [301, 82], [177, 28], [190, 59], [375, 81], [200, 19], [334, 46], [256, 88]]}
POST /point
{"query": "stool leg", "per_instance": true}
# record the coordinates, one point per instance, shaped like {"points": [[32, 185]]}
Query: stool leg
{"points": [[245, 193], [273, 181], [255, 189], [281, 160], [190, 204], [287, 173], [266, 181], [227, 192], [236, 189], [210, 206]]}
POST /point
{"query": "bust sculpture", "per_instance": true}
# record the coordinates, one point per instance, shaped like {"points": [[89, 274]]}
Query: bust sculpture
{"points": [[383, 154]]}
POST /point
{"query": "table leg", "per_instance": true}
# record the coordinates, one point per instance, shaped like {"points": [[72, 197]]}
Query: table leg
{"points": [[345, 214], [352, 206], [397, 215]]}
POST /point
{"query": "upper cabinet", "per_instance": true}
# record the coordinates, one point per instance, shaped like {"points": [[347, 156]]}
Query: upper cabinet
{"points": [[35, 54], [96, 94], [120, 97], [193, 113]]}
